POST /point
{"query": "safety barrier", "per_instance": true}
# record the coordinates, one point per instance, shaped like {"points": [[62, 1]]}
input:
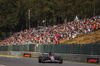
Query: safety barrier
{"points": [[89, 49]]}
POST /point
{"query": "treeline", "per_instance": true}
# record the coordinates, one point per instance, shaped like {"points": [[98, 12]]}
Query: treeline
{"points": [[14, 14]]}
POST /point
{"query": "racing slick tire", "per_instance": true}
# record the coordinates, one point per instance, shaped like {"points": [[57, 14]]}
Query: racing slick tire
{"points": [[40, 59], [43, 59], [60, 59]]}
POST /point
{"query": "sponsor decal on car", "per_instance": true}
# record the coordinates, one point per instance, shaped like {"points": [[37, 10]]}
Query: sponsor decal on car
{"points": [[52, 57]]}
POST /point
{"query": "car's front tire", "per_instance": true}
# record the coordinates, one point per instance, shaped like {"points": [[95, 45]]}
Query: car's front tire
{"points": [[61, 60]]}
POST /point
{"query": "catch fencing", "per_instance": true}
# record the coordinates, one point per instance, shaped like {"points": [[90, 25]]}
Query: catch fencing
{"points": [[89, 49], [18, 47]]}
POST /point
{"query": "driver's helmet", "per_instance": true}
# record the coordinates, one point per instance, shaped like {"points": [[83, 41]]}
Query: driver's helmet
{"points": [[50, 54]]}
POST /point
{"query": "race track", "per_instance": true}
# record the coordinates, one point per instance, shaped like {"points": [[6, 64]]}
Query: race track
{"points": [[15, 61]]}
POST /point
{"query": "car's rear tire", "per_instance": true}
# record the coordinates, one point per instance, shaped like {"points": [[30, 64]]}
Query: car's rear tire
{"points": [[40, 59]]}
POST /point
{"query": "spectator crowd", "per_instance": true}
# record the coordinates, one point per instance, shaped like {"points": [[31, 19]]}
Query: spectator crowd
{"points": [[55, 33]]}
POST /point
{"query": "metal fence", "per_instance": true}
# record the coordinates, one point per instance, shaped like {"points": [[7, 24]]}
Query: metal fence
{"points": [[18, 47], [90, 49]]}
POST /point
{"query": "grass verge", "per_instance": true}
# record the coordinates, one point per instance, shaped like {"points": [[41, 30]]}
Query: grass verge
{"points": [[84, 38]]}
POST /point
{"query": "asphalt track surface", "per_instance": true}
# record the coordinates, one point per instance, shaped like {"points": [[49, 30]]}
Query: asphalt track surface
{"points": [[15, 61]]}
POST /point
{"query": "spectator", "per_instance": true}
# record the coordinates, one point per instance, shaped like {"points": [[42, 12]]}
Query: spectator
{"points": [[54, 33]]}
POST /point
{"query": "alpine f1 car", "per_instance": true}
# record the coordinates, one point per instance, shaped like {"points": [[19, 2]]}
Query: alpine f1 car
{"points": [[50, 57]]}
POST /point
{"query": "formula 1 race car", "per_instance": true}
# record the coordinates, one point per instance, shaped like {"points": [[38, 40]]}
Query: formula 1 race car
{"points": [[50, 57]]}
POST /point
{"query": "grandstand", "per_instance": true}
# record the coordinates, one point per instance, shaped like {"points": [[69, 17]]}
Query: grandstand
{"points": [[54, 34]]}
